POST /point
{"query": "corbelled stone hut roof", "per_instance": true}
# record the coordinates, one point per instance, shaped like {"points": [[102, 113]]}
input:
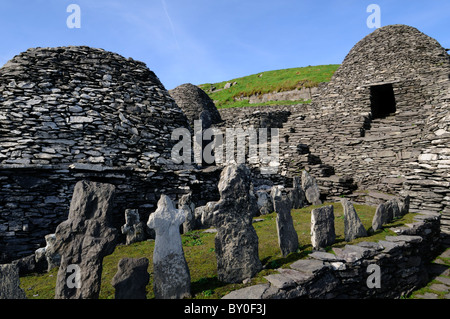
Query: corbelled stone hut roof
{"points": [[79, 113], [196, 104], [391, 54], [82, 106], [382, 122]]}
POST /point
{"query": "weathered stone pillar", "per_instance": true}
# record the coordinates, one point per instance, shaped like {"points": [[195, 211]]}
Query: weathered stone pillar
{"points": [[172, 279], [83, 240]]}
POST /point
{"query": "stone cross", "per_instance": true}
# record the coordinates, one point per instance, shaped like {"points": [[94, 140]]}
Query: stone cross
{"points": [[287, 236], [172, 278]]}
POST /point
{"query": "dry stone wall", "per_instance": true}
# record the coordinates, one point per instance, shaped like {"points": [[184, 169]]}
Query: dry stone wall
{"points": [[348, 273]]}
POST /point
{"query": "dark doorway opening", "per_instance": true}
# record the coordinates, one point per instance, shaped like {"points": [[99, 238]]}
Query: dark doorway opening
{"points": [[382, 100]]}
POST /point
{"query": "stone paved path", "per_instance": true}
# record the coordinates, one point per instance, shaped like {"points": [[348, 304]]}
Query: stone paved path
{"points": [[439, 270]]}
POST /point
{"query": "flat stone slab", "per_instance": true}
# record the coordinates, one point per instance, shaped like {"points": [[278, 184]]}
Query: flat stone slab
{"points": [[210, 230], [405, 238], [280, 281], [439, 287], [252, 292], [445, 254], [390, 246], [371, 245], [308, 266], [352, 253], [323, 256], [444, 280], [427, 295], [297, 276]]}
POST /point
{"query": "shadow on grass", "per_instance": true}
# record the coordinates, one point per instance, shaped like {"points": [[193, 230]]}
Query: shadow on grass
{"points": [[302, 252], [206, 286]]}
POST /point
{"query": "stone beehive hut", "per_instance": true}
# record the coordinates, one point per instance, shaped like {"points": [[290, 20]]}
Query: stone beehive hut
{"points": [[196, 104], [383, 120], [74, 113]]}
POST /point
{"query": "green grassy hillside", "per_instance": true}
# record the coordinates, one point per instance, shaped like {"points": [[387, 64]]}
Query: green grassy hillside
{"points": [[266, 82]]}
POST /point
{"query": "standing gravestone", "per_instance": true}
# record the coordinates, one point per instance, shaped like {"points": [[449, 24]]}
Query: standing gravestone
{"points": [[296, 194], [287, 236], [10, 283], [264, 201], [46, 254], [394, 208], [205, 214], [83, 240], [322, 227], [312, 192], [131, 278], [404, 206], [380, 217], [236, 242], [172, 279], [185, 203], [385, 213], [133, 228], [353, 227]]}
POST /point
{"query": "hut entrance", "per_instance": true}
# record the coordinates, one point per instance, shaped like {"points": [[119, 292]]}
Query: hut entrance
{"points": [[382, 100]]}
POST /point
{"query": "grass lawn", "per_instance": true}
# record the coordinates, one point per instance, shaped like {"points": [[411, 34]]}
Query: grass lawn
{"points": [[266, 82], [199, 251]]}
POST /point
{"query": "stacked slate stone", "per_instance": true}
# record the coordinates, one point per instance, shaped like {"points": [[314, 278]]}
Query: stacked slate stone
{"points": [[258, 117], [261, 117], [73, 113], [398, 151], [196, 105]]}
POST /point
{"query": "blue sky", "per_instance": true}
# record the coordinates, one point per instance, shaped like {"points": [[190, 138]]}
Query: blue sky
{"points": [[200, 41]]}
